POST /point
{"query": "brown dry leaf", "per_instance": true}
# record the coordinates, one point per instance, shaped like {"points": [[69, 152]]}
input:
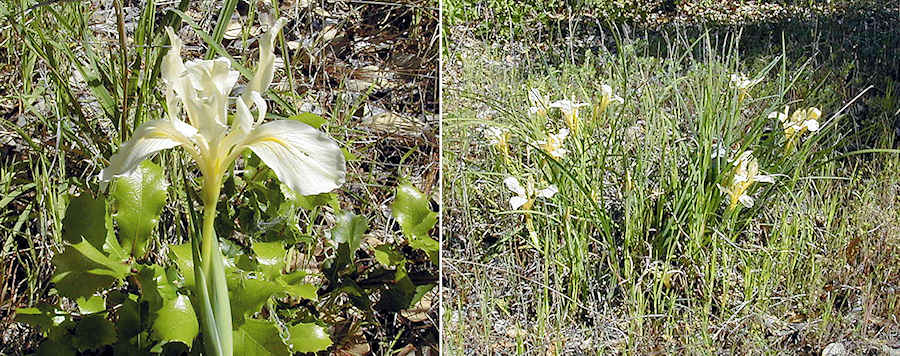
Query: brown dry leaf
{"points": [[419, 312]]}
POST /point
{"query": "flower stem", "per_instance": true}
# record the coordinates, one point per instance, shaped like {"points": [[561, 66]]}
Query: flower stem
{"points": [[211, 286]]}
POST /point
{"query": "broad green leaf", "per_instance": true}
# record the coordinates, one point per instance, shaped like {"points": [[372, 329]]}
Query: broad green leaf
{"points": [[259, 338], [128, 321], [185, 261], [90, 305], [399, 295], [139, 199], [412, 210], [85, 218], [310, 119], [176, 321], [270, 256], [54, 348], [82, 270], [94, 331], [249, 295], [349, 228], [44, 316], [308, 337], [301, 290], [388, 256]]}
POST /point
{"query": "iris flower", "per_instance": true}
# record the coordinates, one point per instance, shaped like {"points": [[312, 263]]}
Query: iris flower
{"points": [[525, 198], [538, 103], [305, 159], [743, 84], [553, 145], [569, 110], [746, 172], [607, 97], [801, 121], [498, 137]]}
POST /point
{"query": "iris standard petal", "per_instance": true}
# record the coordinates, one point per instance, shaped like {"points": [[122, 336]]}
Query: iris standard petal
{"points": [[149, 138], [265, 68], [305, 159]]}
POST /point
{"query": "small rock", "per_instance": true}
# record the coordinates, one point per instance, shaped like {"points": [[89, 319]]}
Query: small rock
{"points": [[835, 349]]}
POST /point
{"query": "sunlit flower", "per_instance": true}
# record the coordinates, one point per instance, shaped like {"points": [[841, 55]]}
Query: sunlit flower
{"points": [[302, 157], [554, 143], [607, 97], [743, 84], [498, 137], [525, 197], [746, 172], [569, 110], [801, 121], [538, 103]]}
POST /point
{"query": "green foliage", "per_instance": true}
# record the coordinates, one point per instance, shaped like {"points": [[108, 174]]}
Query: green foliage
{"points": [[412, 209], [138, 199], [307, 337]]}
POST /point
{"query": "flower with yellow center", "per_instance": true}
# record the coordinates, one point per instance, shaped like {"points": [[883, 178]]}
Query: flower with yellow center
{"points": [[538, 103], [569, 110], [746, 172], [607, 97], [553, 145], [498, 137], [525, 197], [743, 84], [305, 159], [801, 121]]}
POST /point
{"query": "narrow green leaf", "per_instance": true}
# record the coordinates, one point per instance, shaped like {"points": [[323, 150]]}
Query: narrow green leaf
{"points": [[308, 337], [139, 199]]}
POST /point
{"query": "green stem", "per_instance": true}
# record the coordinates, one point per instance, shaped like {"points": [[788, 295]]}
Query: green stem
{"points": [[212, 288]]}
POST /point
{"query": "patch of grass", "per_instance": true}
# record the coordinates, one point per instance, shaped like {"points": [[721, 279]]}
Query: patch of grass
{"points": [[640, 251]]}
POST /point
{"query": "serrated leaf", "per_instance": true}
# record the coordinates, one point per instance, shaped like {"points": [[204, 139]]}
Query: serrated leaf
{"points": [[93, 332], [82, 270], [85, 218], [412, 210], [301, 290], [91, 304], [176, 321], [388, 256], [44, 316], [139, 199], [128, 321], [308, 337], [349, 228], [310, 119], [270, 256], [259, 338]]}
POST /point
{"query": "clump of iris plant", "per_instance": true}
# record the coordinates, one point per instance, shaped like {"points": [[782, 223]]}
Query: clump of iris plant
{"points": [[304, 158], [746, 172]]}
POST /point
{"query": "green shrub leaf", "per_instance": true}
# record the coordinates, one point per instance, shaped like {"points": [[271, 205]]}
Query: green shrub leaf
{"points": [[85, 218], [412, 210], [94, 331], [82, 270], [176, 321], [139, 199], [308, 337], [349, 228], [259, 338]]}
